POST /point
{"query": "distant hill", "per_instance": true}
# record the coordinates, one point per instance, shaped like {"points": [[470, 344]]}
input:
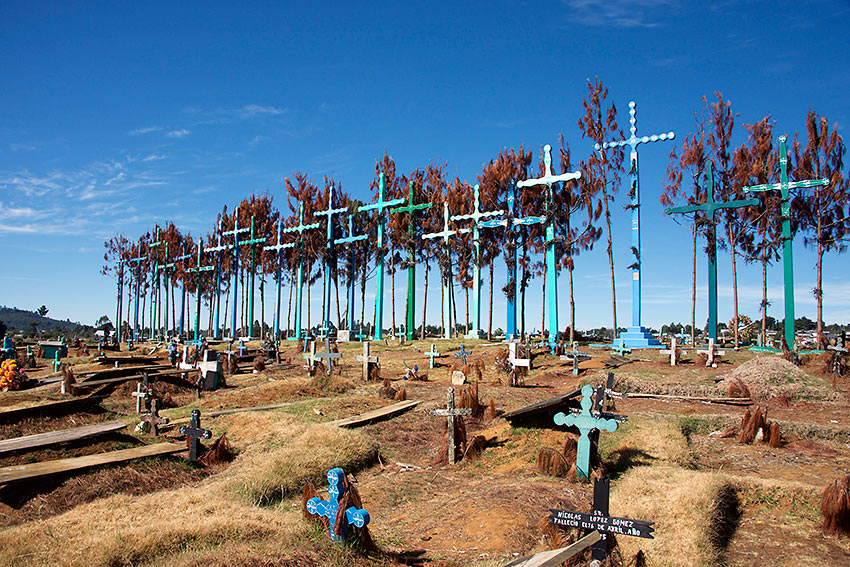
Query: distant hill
{"points": [[21, 321]]}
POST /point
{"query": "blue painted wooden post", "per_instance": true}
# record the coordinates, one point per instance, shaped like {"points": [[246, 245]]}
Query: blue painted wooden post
{"points": [[329, 212], [510, 222], [120, 298], [197, 270], [299, 228], [636, 336], [379, 206], [234, 323], [447, 276], [548, 180], [585, 423], [784, 186], [164, 268], [476, 215], [357, 517], [252, 242], [279, 248], [155, 320], [182, 292], [348, 240]]}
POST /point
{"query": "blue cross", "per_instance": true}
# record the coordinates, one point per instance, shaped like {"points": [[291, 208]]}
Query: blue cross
{"points": [[242, 347], [585, 423], [463, 353], [328, 508]]}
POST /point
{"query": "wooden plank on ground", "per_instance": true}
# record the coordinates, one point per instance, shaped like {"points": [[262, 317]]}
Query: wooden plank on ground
{"points": [[375, 415], [556, 557], [54, 437], [120, 379], [541, 414], [35, 470], [700, 399], [53, 408], [123, 371], [241, 410]]}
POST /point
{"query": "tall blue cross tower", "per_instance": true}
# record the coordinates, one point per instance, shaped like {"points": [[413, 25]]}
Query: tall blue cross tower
{"points": [[636, 336]]}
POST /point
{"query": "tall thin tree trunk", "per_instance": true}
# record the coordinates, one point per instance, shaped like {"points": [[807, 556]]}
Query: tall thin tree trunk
{"points": [[454, 302], [392, 292], [490, 310], [694, 288], [763, 300], [425, 298], [363, 295], [735, 291], [610, 254], [819, 286], [572, 305], [226, 304]]}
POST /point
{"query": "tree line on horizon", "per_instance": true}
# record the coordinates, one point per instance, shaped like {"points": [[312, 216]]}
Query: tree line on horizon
{"points": [[581, 213]]}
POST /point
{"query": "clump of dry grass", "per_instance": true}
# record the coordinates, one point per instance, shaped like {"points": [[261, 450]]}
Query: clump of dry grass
{"points": [[646, 440], [835, 507], [695, 514]]}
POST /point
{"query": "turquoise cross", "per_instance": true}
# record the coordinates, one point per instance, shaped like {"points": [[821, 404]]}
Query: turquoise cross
{"points": [[785, 187], [198, 269], [357, 517], [329, 212], [279, 248], [432, 354], [585, 423], [235, 285], [447, 300], [300, 228], [347, 240]]}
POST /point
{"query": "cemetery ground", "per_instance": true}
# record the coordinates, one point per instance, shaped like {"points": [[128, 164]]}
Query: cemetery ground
{"points": [[713, 499]]}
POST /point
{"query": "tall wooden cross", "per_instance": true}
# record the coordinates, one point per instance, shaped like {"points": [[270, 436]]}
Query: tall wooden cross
{"points": [[450, 413], [164, 269], [785, 186], [710, 207], [182, 293], [217, 250], [329, 243], [198, 269], [194, 432], [585, 422], [252, 242], [327, 355], [476, 215], [447, 276], [411, 209], [300, 228], [234, 323], [118, 317], [511, 222], [155, 320], [138, 275], [351, 237], [379, 206], [279, 248], [357, 517], [549, 180], [636, 336]]}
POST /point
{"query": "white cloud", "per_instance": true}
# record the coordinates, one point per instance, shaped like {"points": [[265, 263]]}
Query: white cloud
{"points": [[619, 13], [178, 133], [256, 110], [147, 130], [153, 157]]}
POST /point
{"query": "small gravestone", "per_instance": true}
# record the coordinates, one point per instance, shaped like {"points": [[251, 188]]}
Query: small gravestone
{"points": [[343, 336], [142, 395], [712, 354], [210, 370], [432, 354], [458, 378], [186, 360], [195, 433], [357, 517], [450, 413], [154, 420], [673, 351], [56, 362], [585, 422], [327, 355], [367, 360], [600, 521]]}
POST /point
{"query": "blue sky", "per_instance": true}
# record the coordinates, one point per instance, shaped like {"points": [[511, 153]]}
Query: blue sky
{"points": [[117, 117]]}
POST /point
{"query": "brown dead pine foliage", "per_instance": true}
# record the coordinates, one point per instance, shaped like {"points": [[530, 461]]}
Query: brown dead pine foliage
{"points": [[469, 399], [490, 412], [401, 395], [835, 507], [219, 452], [259, 364], [387, 391], [737, 389], [460, 442]]}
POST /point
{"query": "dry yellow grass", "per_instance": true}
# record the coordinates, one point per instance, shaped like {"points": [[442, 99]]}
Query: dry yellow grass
{"points": [[694, 513], [646, 439], [181, 527]]}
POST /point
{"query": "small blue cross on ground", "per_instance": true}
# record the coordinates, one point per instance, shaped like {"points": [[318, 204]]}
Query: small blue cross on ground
{"points": [[585, 422], [620, 347], [328, 508], [242, 347], [463, 353]]}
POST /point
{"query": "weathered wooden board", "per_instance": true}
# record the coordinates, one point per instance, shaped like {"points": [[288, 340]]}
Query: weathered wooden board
{"points": [[699, 399], [35, 470], [240, 410], [122, 371], [120, 379], [126, 359], [541, 414], [54, 437], [375, 415], [556, 557], [53, 408]]}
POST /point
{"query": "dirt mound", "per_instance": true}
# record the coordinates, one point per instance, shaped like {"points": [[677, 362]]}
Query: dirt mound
{"points": [[771, 376]]}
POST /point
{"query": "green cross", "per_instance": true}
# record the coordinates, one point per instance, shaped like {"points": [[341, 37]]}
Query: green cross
{"points": [[379, 206], [411, 263], [300, 228], [585, 423], [447, 298], [476, 217], [787, 252], [710, 207]]}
